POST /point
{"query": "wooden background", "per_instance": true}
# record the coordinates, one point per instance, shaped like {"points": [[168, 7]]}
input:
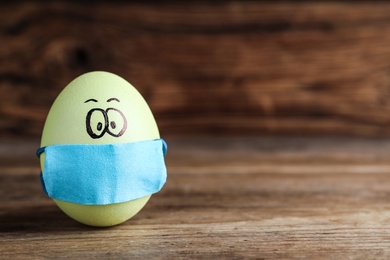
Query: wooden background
{"points": [[224, 67], [238, 69]]}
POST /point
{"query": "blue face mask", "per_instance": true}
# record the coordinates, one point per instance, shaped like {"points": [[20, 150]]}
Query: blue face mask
{"points": [[101, 174]]}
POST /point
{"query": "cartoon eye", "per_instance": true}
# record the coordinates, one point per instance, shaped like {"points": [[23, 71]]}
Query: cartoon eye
{"points": [[117, 123], [96, 123]]}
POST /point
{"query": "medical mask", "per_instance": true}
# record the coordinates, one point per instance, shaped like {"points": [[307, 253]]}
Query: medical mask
{"points": [[100, 174]]}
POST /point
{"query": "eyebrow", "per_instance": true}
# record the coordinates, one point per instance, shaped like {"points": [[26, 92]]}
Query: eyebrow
{"points": [[91, 99], [113, 99]]}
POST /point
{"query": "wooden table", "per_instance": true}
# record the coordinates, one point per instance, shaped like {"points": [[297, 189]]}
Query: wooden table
{"points": [[225, 197]]}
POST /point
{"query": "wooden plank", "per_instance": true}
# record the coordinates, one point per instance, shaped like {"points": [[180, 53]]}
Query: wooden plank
{"points": [[247, 198], [231, 67]]}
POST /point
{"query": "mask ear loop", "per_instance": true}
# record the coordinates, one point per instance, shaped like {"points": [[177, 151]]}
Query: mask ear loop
{"points": [[165, 147], [40, 150]]}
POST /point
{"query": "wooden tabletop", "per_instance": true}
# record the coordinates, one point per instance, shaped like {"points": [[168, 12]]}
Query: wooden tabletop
{"points": [[225, 197]]}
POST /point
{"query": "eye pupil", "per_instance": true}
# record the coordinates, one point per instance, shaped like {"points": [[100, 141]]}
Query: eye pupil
{"points": [[99, 126], [113, 125]]}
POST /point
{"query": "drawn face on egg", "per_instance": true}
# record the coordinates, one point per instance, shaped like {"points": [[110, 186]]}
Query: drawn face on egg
{"points": [[99, 108], [109, 121]]}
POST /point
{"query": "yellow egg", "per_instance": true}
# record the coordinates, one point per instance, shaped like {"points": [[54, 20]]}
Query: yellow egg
{"points": [[67, 123]]}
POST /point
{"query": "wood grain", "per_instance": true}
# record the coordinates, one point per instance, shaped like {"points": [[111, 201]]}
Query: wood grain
{"points": [[233, 198], [226, 67]]}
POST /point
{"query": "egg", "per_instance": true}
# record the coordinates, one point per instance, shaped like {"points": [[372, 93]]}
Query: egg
{"points": [[71, 121]]}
